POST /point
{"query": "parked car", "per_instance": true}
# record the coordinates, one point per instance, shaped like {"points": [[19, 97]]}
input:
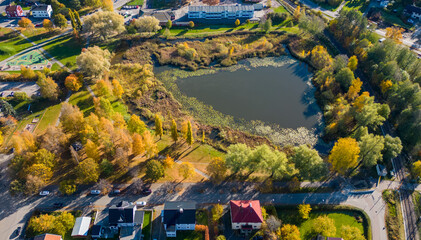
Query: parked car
{"points": [[141, 204], [115, 192], [38, 25], [44, 193], [17, 231], [58, 204], [95, 192], [146, 191]]}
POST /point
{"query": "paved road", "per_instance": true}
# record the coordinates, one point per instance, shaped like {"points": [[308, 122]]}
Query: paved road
{"points": [[31, 88]]}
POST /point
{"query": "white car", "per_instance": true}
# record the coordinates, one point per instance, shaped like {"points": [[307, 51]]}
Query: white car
{"points": [[141, 204], [95, 192], [44, 193]]}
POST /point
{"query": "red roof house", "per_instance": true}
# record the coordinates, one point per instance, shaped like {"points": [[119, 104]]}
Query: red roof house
{"points": [[48, 236], [246, 215], [14, 11]]}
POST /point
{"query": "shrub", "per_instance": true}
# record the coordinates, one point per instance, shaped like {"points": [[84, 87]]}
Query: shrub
{"points": [[277, 18], [21, 96]]}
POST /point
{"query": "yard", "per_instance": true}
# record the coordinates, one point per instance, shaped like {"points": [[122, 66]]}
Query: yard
{"points": [[359, 5], [135, 3], [65, 49], [146, 230], [11, 43]]}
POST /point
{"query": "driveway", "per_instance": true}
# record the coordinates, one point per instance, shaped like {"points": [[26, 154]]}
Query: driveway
{"points": [[31, 88]]}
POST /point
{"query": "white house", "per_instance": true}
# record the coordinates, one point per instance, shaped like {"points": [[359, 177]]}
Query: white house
{"points": [[246, 215], [42, 11], [413, 11], [221, 12], [178, 216], [81, 227]]}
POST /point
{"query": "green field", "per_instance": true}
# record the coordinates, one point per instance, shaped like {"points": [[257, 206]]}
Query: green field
{"points": [[83, 100], [147, 220], [65, 49], [39, 35], [135, 2], [11, 43], [360, 5], [280, 9], [50, 117]]}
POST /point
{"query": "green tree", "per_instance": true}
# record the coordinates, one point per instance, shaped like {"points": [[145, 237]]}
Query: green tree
{"points": [[74, 4], [60, 20], [103, 107], [304, 210], [77, 19], [146, 24], [174, 132], [345, 77], [63, 223], [189, 134], [351, 233], [392, 147], [308, 162], [158, 126], [217, 211], [106, 168], [265, 159], [344, 155], [104, 24], [369, 113], [93, 61], [290, 232], [221, 237], [237, 157], [67, 187], [136, 125], [267, 25], [87, 171], [371, 147], [72, 20], [324, 225], [154, 170], [169, 24]]}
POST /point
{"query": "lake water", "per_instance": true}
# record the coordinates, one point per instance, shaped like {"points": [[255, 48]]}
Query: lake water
{"points": [[281, 95]]}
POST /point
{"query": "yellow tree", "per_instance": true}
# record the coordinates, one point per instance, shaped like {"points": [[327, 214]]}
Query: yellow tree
{"points": [[158, 126], [72, 82], [25, 23], [217, 213], [117, 89], [395, 33], [137, 145], [237, 22], [174, 132], [304, 210], [290, 232], [217, 169], [354, 89], [136, 125], [47, 24], [168, 162], [150, 145], [416, 168], [385, 85], [189, 134], [1, 138], [40, 170], [320, 58], [324, 225], [344, 155], [297, 13], [108, 5], [353, 63], [91, 150], [186, 170]]}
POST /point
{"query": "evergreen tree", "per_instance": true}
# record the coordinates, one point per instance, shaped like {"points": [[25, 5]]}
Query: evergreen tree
{"points": [[158, 126], [174, 133], [77, 19], [189, 134], [72, 20]]}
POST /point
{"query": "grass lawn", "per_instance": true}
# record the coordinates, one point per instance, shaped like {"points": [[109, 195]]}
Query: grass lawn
{"points": [[189, 235], [65, 49], [359, 5], [394, 219], [202, 217], [49, 118], [395, 20], [39, 35], [11, 43], [83, 100], [135, 2], [280, 9], [341, 218], [147, 225]]}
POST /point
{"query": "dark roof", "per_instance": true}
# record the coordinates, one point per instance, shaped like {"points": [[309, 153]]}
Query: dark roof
{"points": [[11, 8], [223, 8], [161, 15], [40, 8], [412, 8], [179, 213], [48, 236], [121, 213], [246, 211], [96, 230]]}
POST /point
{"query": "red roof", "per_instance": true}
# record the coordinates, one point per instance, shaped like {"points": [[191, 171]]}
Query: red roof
{"points": [[246, 211], [48, 236], [11, 8]]}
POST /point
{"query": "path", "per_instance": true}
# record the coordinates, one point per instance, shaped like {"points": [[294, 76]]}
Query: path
{"points": [[196, 170]]}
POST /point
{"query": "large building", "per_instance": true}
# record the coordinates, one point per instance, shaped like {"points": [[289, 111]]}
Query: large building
{"points": [[122, 214], [246, 215], [178, 216], [413, 11], [14, 11], [42, 11], [81, 227], [221, 12]]}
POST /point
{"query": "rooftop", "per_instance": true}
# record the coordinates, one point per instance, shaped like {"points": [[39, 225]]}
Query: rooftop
{"points": [[48, 236], [81, 226], [41, 8], [248, 211], [176, 205], [228, 8]]}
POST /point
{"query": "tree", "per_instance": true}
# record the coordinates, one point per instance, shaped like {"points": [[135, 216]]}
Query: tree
{"points": [[117, 89], [106, 168], [33, 184], [48, 88], [174, 132], [60, 20], [416, 168], [168, 25], [41, 171], [297, 13], [158, 126], [136, 125], [267, 25], [304, 210], [27, 73], [103, 107], [25, 23], [103, 88], [312, 23], [351, 233], [54, 140], [93, 61], [237, 157], [392, 147], [77, 19], [154, 170], [290, 232], [67, 187], [324, 225], [353, 63], [320, 58], [72, 20], [344, 155], [74, 4], [345, 77], [108, 5], [217, 169], [63, 223], [137, 145], [1, 138], [147, 24], [265, 159], [150, 145], [168, 162], [369, 113], [73, 82], [104, 186], [41, 224], [7, 108], [237, 22], [221, 237], [91, 150], [71, 118], [186, 170], [211, 2], [217, 212], [354, 89], [308, 162], [395, 34], [189, 134], [191, 24], [371, 147], [87, 171], [43, 156], [47, 24], [104, 23]]}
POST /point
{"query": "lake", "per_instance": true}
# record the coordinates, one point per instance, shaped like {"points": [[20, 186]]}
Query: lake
{"points": [[281, 94]]}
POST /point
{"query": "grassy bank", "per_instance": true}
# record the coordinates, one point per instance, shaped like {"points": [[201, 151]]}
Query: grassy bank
{"points": [[11, 43], [394, 219]]}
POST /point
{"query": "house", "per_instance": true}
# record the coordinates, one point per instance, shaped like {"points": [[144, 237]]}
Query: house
{"points": [[42, 11], [178, 216], [122, 214], [96, 231], [381, 170], [48, 236], [81, 227], [246, 215], [413, 11], [162, 16], [221, 12], [14, 11]]}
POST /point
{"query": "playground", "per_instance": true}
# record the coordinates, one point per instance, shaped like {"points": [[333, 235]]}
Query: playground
{"points": [[33, 59]]}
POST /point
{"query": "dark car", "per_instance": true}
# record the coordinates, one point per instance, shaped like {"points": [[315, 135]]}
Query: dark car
{"points": [[17, 231], [115, 192], [146, 191], [58, 205]]}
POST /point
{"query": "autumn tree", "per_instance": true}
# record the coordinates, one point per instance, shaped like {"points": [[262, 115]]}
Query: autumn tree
{"points": [[353, 63], [47, 24], [297, 13], [186, 170], [416, 168], [217, 212], [33, 184], [158, 126], [150, 145], [168, 162], [304, 210], [87, 171], [104, 186], [108, 5], [344, 155], [23, 142], [324, 225], [136, 125], [71, 118], [67, 187], [43, 156], [93, 61], [154, 170], [174, 132], [103, 107], [104, 24], [60, 20], [137, 145], [351, 233], [290, 232], [117, 89], [91, 150], [237, 22], [25, 23], [146, 24], [395, 34], [217, 169], [73, 82], [41, 171], [48, 88], [211, 2], [168, 25], [371, 147], [103, 88], [191, 24], [320, 58], [354, 89], [308, 162]]}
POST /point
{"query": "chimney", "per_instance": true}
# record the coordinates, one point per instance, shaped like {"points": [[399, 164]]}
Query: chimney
{"points": [[181, 210], [251, 205]]}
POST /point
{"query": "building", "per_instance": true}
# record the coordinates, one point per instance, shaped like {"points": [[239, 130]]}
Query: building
{"points": [[178, 216], [221, 12], [96, 231], [81, 227], [413, 11], [48, 236], [246, 215], [122, 214], [42, 11], [14, 11], [162, 16]]}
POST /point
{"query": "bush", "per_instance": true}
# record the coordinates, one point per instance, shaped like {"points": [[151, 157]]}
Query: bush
{"points": [[277, 18], [21, 96]]}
